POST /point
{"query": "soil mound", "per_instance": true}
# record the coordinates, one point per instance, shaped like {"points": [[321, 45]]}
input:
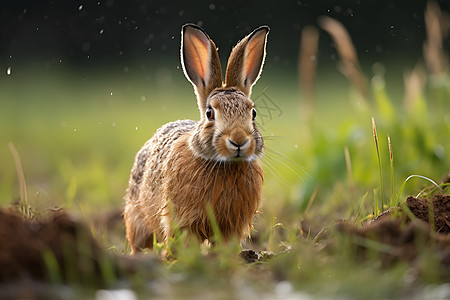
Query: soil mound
{"points": [[397, 238], [33, 249], [437, 210]]}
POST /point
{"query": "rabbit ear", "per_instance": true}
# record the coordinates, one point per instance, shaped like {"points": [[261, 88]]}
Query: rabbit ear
{"points": [[246, 60], [200, 62]]}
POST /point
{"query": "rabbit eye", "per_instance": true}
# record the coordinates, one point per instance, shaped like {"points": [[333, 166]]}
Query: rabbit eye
{"points": [[210, 113], [254, 113]]}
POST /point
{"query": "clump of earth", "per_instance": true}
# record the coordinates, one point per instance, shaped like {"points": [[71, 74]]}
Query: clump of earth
{"points": [[404, 235]]}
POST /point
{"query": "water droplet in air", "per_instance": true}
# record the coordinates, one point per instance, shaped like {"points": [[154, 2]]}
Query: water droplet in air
{"points": [[111, 93], [80, 7], [8, 71], [136, 128], [101, 31], [143, 98]]}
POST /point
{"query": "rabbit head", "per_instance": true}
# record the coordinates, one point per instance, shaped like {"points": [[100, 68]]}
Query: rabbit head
{"points": [[226, 130]]}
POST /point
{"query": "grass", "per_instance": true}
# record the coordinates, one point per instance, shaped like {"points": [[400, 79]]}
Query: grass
{"points": [[76, 140]]}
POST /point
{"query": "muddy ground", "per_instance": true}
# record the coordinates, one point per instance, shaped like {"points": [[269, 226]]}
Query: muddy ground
{"points": [[59, 248], [401, 239]]}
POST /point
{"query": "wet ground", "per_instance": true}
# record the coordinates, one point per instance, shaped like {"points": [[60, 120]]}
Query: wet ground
{"points": [[60, 249]]}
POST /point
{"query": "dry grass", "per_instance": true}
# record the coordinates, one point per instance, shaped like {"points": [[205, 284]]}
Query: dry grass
{"points": [[349, 64]]}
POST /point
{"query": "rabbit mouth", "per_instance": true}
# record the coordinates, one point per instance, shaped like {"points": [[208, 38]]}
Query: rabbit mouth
{"points": [[241, 158], [237, 149]]}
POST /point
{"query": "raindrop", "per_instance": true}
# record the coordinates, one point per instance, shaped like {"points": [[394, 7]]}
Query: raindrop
{"points": [[101, 31], [75, 130], [111, 93], [8, 71], [212, 7], [143, 98], [80, 7], [136, 128], [113, 124]]}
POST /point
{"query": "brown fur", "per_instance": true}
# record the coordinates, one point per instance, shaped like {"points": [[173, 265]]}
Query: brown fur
{"points": [[233, 189], [187, 166]]}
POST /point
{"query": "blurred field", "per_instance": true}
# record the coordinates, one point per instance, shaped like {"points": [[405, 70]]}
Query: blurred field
{"points": [[77, 134], [76, 131]]}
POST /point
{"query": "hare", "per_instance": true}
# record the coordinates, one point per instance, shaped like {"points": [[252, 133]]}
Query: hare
{"points": [[187, 165]]}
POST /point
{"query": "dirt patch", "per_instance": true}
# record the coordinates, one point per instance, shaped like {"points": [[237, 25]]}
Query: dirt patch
{"points": [[436, 209], [396, 238], [252, 256], [54, 248]]}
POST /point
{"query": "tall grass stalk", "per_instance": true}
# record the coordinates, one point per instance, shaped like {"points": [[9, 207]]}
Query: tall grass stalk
{"points": [[217, 234], [391, 161], [52, 266], [376, 209], [24, 207], [379, 162], [351, 184]]}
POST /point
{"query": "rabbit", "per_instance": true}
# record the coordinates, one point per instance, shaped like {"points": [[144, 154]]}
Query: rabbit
{"points": [[188, 165]]}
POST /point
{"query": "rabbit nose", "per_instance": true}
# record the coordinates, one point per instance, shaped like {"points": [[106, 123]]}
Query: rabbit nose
{"points": [[234, 145]]}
